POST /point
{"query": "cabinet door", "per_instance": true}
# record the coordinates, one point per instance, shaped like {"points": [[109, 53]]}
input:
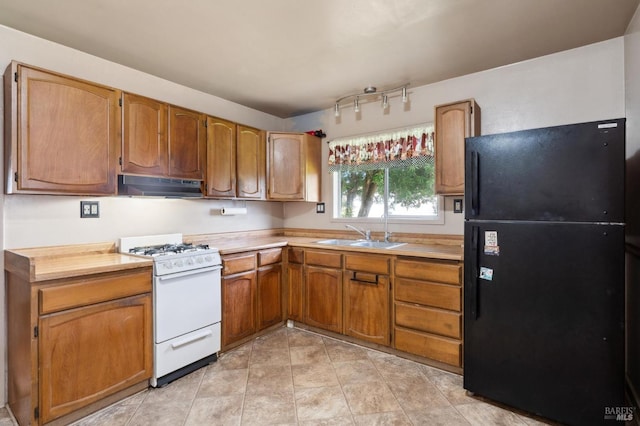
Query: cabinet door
{"points": [[269, 296], [187, 144], [295, 277], [250, 164], [238, 307], [454, 122], [89, 353], [323, 298], [64, 135], [286, 167], [367, 307], [144, 136], [221, 158]]}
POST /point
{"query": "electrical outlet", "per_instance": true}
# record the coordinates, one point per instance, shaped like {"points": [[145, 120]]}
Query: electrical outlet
{"points": [[89, 209], [320, 208], [457, 205]]}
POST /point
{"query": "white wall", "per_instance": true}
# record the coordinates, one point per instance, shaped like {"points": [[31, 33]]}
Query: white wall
{"points": [[574, 86], [632, 104]]}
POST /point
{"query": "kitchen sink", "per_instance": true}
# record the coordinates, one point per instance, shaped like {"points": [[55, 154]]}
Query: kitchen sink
{"points": [[361, 243], [336, 242], [377, 244]]}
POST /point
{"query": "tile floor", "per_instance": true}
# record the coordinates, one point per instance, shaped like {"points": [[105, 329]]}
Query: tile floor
{"points": [[295, 377]]}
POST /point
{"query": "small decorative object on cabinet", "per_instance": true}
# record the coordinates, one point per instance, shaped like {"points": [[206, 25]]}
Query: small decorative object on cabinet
{"points": [[61, 133], [293, 167], [235, 160], [454, 123]]}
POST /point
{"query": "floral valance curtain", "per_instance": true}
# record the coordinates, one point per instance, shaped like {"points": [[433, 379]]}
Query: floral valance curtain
{"points": [[411, 146]]}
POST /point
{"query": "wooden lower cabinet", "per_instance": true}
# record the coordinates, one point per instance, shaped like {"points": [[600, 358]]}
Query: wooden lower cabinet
{"points": [[269, 296], [323, 298], [427, 317], [367, 308], [366, 300], [251, 294], [295, 283], [88, 353], [75, 343], [238, 307]]}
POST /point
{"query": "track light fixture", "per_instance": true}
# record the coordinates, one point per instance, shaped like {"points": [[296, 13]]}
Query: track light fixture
{"points": [[371, 92]]}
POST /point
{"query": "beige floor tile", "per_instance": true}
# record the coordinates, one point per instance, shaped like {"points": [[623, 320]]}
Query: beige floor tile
{"points": [[451, 387], [184, 389], [321, 403], [309, 355], [274, 340], [373, 397], [418, 394], [270, 356], [314, 375], [303, 338], [235, 359], [165, 413], [337, 421], [391, 418], [486, 414], [115, 415], [277, 407], [447, 416], [265, 379], [357, 371], [339, 351], [218, 410], [223, 382]]}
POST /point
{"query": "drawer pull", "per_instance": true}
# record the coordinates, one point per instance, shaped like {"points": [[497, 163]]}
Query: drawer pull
{"points": [[192, 339], [363, 278]]}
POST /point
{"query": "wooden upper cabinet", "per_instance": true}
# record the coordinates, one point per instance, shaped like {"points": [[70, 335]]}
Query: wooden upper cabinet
{"points": [[144, 139], [293, 167], [61, 133], [221, 158], [235, 160], [162, 140], [250, 165], [454, 123], [187, 144]]}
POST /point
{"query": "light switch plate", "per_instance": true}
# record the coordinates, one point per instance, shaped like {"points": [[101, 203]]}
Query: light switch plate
{"points": [[89, 209], [320, 208]]}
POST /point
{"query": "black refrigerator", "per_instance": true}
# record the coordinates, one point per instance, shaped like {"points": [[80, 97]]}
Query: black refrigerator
{"points": [[544, 270]]}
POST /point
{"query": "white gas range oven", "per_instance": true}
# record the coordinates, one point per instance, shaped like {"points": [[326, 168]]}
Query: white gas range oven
{"points": [[186, 303]]}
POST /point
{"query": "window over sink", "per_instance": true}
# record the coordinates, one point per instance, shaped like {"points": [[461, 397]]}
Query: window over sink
{"points": [[388, 173]]}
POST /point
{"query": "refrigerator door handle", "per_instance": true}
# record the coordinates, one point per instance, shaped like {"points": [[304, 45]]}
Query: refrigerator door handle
{"points": [[474, 183], [472, 285]]}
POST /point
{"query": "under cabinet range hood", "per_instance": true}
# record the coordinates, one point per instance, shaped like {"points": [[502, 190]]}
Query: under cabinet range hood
{"points": [[145, 186]]}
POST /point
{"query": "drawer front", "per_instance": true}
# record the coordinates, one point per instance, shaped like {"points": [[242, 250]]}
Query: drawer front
{"points": [[94, 290], [295, 255], [428, 293], [429, 346], [367, 263], [323, 258], [188, 348], [238, 263], [444, 272], [436, 321], [269, 257]]}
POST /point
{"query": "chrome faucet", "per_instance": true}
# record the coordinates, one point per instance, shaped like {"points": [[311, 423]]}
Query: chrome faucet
{"points": [[365, 233]]}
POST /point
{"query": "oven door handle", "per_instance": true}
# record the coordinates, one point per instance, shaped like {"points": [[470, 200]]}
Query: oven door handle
{"points": [[187, 273], [191, 339]]}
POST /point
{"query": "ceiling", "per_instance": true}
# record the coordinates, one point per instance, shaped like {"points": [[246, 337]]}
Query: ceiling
{"points": [[290, 57]]}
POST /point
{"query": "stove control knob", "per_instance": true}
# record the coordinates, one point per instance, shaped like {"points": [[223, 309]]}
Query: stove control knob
{"points": [[179, 263], [208, 258], [189, 261], [199, 259], [166, 265]]}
